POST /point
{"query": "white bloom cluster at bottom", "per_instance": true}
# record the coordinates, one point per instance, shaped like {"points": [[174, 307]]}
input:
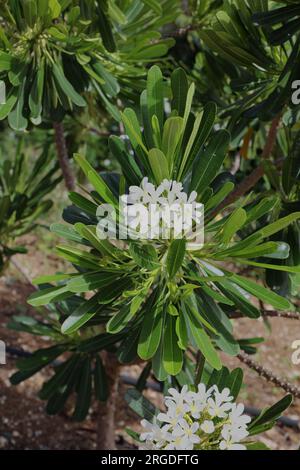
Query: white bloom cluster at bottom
{"points": [[205, 420]]}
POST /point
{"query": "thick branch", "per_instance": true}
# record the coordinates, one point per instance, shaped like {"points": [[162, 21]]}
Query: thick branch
{"points": [[272, 313], [269, 376], [62, 155], [106, 416]]}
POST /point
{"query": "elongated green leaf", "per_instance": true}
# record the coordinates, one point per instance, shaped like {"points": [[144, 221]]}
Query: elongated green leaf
{"points": [[179, 84], [159, 165], [100, 381], [82, 314], [96, 180], [118, 322], [262, 293], [151, 331], [272, 413], [279, 225], [91, 281], [40, 358], [67, 87], [155, 94], [84, 391], [175, 256], [16, 119], [172, 354], [172, 134], [46, 296], [210, 161], [204, 343], [140, 405], [233, 224], [235, 382]]}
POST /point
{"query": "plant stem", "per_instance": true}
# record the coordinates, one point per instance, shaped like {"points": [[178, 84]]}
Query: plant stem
{"points": [[273, 314], [62, 155], [268, 375], [106, 416]]}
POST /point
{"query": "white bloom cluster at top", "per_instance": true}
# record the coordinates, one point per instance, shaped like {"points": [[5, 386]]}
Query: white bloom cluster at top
{"points": [[205, 420], [153, 210]]}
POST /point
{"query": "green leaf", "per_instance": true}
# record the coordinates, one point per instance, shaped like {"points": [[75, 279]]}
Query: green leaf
{"points": [[16, 119], [203, 131], [209, 162], [10, 102], [96, 180], [157, 363], [144, 255], [172, 354], [84, 391], [155, 94], [175, 256], [277, 226], [140, 405], [151, 330], [204, 343], [120, 319], [129, 167], [40, 358], [262, 293], [235, 382], [89, 233], [66, 232], [159, 165], [105, 28], [91, 281], [179, 84], [256, 446], [172, 134], [272, 413], [46, 296], [100, 381], [67, 87], [233, 224], [78, 257], [82, 314]]}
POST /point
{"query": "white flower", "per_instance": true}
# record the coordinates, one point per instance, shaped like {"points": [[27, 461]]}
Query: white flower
{"points": [[186, 433], [231, 439], [207, 426], [154, 433], [197, 400], [202, 419], [236, 416], [168, 206], [219, 406]]}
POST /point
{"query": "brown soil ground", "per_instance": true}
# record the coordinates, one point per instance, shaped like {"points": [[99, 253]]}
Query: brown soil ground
{"points": [[23, 422]]}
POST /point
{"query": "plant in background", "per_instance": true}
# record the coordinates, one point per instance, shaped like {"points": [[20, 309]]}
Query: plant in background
{"points": [[22, 197], [202, 418], [154, 300], [51, 52]]}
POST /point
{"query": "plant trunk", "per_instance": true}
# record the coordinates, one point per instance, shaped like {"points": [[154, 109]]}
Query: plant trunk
{"points": [[62, 155], [106, 415]]}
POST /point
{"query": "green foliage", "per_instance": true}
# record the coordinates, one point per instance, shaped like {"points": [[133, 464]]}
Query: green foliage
{"points": [[52, 52], [157, 300], [23, 191]]}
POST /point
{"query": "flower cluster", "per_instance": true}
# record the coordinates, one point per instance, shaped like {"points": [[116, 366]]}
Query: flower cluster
{"points": [[165, 211], [205, 420]]}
